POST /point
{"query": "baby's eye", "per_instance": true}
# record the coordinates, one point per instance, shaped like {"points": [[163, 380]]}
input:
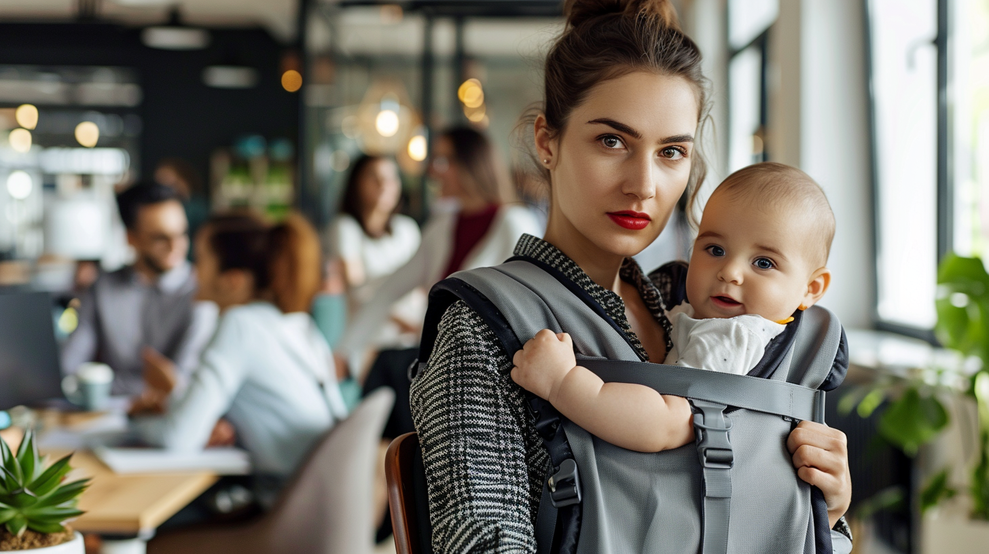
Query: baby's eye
{"points": [[715, 250], [764, 263], [611, 141], [672, 153]]}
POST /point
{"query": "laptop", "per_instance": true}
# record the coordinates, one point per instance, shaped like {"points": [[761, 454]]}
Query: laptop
{"points": [[30, 370]]}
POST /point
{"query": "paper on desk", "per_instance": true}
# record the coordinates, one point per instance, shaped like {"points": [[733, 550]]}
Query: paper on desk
{"points": [[224, 461]]}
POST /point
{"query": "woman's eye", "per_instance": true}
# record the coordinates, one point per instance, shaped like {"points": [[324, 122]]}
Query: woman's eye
{"points": [[715, 250], [611, 141], [764, 263], [672, 153]]}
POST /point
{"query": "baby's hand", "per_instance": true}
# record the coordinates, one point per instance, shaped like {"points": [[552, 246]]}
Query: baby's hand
{"points": [[543, 362]]}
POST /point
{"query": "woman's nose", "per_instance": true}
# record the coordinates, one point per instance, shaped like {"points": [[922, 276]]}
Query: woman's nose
{"points": [[641, 179]]}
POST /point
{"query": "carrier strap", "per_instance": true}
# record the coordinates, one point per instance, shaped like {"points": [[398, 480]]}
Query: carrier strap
{"points": [[740, 391]]}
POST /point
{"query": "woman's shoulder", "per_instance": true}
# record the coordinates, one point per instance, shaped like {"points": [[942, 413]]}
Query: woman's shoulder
{"points": [[671, 280]]}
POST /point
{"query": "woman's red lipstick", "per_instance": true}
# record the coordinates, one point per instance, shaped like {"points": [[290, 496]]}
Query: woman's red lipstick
{"points": [[635, 221]]}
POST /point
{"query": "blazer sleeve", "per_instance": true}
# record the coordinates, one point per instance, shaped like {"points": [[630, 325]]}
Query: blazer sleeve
{"points": [[476, 441]]}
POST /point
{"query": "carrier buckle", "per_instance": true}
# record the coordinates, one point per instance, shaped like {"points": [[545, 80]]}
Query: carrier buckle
{"points": [[564, 485], [711, 428]]}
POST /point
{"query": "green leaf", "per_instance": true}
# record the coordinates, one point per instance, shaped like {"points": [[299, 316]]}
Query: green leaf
{"points": [[869, 404], [23, 499], [27, 455], [52, 476], [65, 493], [937, 489], [48, 528], [17, 525], [5, 454], [963, 305], [51, 514], [912, 420], [9, 481], [7, 514]]}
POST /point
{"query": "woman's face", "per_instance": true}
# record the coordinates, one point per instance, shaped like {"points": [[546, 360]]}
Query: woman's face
{"points": [[620, 165], [443, 169], [380, 187]]}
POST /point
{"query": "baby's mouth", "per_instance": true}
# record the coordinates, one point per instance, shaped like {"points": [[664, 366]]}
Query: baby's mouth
{"points": [[725, 301]]}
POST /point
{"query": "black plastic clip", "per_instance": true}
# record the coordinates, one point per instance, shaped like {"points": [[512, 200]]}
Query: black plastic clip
{"points": [[564, 485]]}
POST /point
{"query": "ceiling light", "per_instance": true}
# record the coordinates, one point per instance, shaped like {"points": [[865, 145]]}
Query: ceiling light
{"points": [[230, 76], [417, 148], [27, 116], [20, 140], [175, 36], [19, 185], [291, 80], [386, 123], [88, 134]]}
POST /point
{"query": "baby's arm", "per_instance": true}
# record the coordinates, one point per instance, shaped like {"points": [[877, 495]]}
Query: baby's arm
{"points": [[631, 416]]}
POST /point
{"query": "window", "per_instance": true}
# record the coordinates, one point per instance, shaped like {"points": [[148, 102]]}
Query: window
{"points": [[904, 62], [748, 30]]}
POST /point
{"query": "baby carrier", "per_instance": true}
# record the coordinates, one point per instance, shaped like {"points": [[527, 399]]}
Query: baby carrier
{"points": [[735, 490]]}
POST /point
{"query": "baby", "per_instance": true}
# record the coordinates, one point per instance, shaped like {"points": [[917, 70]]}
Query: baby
{"points": [[759, 257]]}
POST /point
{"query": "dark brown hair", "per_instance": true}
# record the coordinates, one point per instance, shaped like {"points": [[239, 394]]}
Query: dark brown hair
{"points": [[479, 164], [284, 260], [351, 204], [606, 39]]}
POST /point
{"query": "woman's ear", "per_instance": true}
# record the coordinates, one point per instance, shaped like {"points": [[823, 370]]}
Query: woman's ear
{"points": [[546, 142], [818, 285]]}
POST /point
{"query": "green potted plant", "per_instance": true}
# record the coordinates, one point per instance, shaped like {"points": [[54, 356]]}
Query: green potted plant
{"points": [[921, 404], [35, 502]]}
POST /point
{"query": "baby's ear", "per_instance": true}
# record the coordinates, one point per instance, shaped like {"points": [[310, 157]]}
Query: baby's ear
{"points": [[820, 280]]}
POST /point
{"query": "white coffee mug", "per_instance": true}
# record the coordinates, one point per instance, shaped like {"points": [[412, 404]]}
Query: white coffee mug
{"points": [[89, 386]]}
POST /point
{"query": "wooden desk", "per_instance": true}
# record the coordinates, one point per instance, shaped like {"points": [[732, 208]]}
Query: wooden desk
{"points": [[131, 504]]}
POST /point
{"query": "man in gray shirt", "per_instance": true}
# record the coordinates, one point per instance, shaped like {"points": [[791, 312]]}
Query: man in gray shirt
{"points": [[146, 312]]}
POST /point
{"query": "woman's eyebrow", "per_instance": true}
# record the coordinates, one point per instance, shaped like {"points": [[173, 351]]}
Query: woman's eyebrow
{"points": [[618, 126], [623, 128]]}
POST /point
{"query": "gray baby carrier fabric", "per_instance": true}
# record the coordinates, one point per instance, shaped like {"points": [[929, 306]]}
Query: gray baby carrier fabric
{"points": [[734, 491]]}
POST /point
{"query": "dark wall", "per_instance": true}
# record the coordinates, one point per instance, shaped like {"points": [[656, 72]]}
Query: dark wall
{"points": [[182, 116]]}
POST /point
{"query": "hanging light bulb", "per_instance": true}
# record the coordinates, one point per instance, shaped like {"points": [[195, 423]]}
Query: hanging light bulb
{"points": [[88, 134], [417, 148], [20, 140], [386, 123], [26, 116]]}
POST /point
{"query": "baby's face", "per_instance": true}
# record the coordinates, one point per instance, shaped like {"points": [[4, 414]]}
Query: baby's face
{"points": [[751, 258]]}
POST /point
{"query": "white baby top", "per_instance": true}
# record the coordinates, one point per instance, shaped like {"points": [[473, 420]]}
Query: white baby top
{"points": [[728, 345]]}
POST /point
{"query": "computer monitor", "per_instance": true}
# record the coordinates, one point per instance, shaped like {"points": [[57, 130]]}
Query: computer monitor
{"points": [[29, 363]]}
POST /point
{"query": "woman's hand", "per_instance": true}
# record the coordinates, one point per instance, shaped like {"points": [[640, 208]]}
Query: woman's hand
{"points": [[820, 455], [543, 363], [223, 434]]}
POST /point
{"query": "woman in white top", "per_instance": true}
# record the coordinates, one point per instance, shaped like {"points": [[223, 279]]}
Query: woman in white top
{"points": [[267, 370], [476, 223], [368, 237]]}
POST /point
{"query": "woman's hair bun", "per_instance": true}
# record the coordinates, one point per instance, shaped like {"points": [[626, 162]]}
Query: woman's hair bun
{"points": [[578, 12]]}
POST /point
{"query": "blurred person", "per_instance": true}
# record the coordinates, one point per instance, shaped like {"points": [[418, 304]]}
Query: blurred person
{"points": [[267, 370], [476, 223], [180, 175], [145, 310], [369, 240]]}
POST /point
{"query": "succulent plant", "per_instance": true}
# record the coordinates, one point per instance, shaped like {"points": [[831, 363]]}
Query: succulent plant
{"points": [[32, 496]]}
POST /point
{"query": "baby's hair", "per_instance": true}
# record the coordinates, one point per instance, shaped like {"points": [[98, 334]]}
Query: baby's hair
{"points": [[786, 187]]}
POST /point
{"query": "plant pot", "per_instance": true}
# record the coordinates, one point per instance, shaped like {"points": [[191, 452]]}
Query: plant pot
{"points": [[955, 534], [75, 546]]}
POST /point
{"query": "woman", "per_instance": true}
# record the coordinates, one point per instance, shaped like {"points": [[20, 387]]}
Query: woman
{"points": [[617, 144], [475, 226], [267, 370], [368, 237]]}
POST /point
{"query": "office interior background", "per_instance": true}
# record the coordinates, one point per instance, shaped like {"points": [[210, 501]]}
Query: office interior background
{"points": [[885, 103]]}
